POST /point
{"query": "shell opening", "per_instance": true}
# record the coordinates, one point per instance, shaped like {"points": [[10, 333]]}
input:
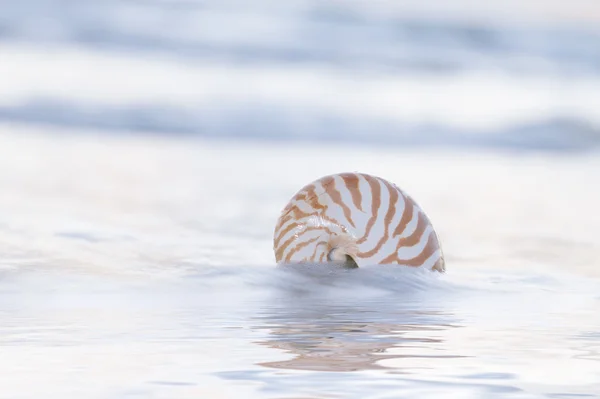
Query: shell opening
{"points": [[336, 255]]}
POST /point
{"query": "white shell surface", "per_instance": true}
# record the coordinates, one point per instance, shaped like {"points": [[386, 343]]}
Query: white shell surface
{"points": [[369, 218]]}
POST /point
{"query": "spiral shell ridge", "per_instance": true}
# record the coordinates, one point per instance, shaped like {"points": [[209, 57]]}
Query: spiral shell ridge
{"points": [[365, 217]]}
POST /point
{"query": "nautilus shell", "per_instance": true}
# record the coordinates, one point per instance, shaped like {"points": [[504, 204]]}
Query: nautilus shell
{"points": [[356, 220]]}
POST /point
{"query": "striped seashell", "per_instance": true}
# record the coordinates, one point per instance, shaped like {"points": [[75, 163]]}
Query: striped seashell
{"points": [[356, 219]]}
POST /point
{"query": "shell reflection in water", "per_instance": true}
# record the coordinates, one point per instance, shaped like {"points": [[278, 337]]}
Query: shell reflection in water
{"points": [[340, 338], [356, 219]]}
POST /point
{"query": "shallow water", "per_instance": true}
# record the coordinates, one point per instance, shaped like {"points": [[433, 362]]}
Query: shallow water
{"points": [[138, 267], [228, 332]]}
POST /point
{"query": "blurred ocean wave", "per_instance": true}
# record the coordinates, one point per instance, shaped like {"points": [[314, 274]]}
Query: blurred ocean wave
{"points": [[316, 33], [299, 71], [281, 124]]}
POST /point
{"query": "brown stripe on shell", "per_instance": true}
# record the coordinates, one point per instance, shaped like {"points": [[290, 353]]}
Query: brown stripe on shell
{"points": [[416, 235], [375, 204], [412, 239], [301, 196], [325, 218], [299, 247], [283, 247], [305, 193], [418, 260], [406, 216], [292, 211], [351, 181], [330, 189], [313, 199], [285, 217], [387, 221], [298, 215], [429, 250], [282, 234], [295, 213], [314, 254]]}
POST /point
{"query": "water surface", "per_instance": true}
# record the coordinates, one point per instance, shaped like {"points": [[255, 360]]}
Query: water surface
{"points": [[140, 268]]}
